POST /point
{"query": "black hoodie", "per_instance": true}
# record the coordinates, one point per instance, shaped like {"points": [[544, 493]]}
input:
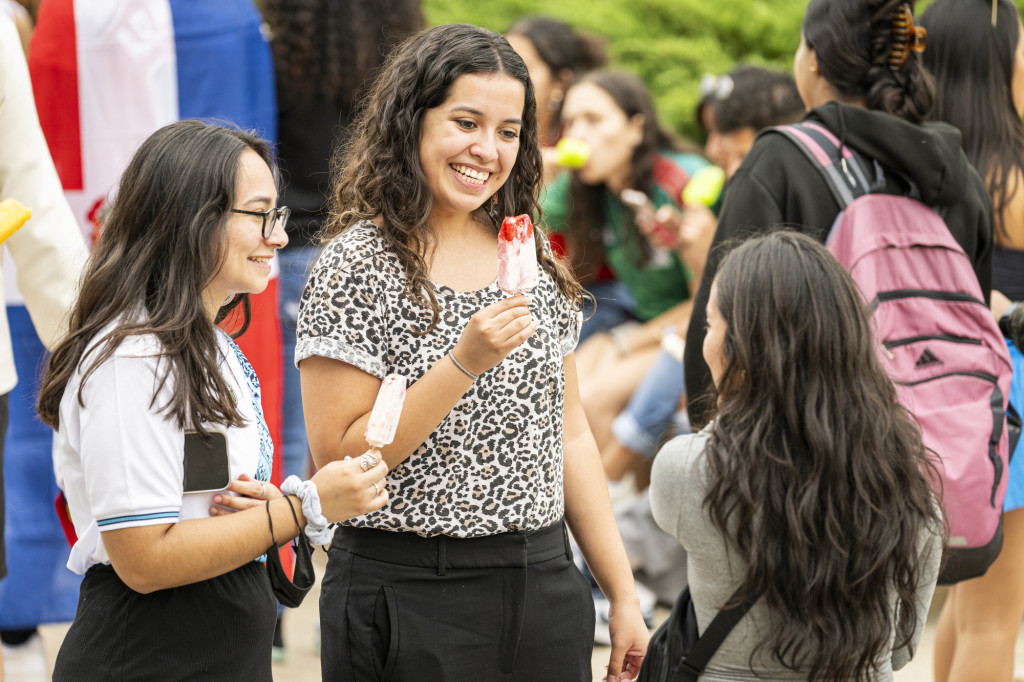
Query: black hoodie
{"points": [[777, 185]]}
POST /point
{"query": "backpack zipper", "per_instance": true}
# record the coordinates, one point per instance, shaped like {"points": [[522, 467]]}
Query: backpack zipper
{"points": [[991, 378], [927, 293], [932, 337]]}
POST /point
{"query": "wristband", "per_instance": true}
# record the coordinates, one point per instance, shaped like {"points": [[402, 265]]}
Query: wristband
{"points": [[317, 528]]}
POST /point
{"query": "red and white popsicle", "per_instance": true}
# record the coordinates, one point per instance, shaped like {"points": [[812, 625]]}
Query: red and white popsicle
{"points": [[517, 255], [387, 408]]}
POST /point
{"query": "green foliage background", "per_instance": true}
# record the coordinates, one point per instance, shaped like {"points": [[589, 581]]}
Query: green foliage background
{"points": [[668, 43]]}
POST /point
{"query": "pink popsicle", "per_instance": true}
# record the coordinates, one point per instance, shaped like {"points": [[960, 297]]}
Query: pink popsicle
{"points": [[387, 408], [517, 255]]}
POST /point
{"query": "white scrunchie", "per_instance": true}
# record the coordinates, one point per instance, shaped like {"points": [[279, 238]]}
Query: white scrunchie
{"points": [[317, 529]]}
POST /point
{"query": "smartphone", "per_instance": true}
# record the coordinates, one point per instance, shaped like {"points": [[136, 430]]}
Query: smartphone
{"points": [[206, 462]]}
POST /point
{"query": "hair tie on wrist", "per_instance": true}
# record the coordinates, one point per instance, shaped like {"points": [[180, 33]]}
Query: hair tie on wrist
{"points": [[317, 527], [270, 522]]}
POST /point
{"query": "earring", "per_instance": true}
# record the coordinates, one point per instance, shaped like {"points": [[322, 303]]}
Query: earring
{"points": [[814, 69]]}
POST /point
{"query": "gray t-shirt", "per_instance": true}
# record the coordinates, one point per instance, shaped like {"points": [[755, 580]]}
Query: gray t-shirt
{"points": [[678, 486]]}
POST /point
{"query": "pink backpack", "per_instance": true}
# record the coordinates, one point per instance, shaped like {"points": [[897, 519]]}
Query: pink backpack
{"points": [[938, 341]]}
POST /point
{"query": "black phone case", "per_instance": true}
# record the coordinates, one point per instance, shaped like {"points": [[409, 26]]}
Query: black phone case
{"points": [[206, 462]]}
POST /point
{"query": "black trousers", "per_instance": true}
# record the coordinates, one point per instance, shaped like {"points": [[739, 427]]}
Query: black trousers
{"points": [[218, 629], [397, 607]]}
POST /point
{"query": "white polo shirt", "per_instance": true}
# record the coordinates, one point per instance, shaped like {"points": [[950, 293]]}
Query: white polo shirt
{"points": [[123, 458]]}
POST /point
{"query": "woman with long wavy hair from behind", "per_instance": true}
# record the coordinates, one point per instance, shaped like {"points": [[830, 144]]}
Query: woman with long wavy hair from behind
{"points": [[978, 68], [808, 486]]}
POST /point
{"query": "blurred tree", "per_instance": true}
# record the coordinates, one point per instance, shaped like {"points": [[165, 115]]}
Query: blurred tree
{"points": [[668, 43]]}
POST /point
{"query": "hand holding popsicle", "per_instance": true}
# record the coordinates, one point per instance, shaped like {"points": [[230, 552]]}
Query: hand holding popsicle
{"points": [[494, 332]]}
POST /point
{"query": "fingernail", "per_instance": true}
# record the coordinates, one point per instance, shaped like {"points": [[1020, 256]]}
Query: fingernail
{"points": [[216, 499]]}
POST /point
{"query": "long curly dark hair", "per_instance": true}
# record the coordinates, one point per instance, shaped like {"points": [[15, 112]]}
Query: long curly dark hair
{"points": [[378, 173], [972, 62], [586, 245], [817, 472], [323, 49], [852, 40], [160, 247]]}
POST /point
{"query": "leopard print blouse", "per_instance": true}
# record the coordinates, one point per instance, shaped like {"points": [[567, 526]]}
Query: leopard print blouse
{"points": [[495, 463]]}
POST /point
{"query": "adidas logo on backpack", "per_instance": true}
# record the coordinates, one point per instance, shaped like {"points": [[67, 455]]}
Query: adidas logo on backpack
{"points": [[937, 340]]}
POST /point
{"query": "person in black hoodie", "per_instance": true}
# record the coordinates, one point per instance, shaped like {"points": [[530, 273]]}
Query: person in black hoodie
{"points": [[848, 74]]}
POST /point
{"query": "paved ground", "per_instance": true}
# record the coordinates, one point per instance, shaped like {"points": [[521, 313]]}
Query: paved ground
{"points": [[303, 663]]}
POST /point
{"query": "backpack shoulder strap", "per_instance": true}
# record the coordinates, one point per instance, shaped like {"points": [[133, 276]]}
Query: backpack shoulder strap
{"points": [[840, 168], [719, 628]]}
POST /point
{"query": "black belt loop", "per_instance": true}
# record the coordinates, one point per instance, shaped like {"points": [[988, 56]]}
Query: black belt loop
{"points": [[442, 555]]}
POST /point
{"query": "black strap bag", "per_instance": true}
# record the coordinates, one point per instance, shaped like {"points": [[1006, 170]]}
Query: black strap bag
{"points": [[676, 652]]}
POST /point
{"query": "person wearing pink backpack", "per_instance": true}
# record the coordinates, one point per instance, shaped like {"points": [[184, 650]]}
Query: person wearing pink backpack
{"points": [[859, 75]]}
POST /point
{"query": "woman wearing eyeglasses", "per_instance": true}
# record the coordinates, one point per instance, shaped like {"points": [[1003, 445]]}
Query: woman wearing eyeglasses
{"points": [[161, 436]]}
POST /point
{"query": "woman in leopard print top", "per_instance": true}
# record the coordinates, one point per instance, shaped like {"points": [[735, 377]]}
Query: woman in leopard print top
{"points": [[466, 574]]}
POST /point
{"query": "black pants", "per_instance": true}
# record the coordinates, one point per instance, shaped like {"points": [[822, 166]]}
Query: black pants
{"points": [[218, 629], [396, 607]]}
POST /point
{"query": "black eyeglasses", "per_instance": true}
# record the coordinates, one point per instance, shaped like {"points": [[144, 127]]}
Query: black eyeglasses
{"points": [[275, 216]]}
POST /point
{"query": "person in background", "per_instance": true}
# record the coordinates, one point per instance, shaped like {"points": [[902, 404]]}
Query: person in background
{"points": [[613, 113], [492, 458], [323, 52], [743, 102], [828, 525], [556, 55], [47, 253], [977, 60], [842, 70], [175, 587]]}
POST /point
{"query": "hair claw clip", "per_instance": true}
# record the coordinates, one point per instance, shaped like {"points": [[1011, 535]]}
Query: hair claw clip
{"points": [[907, 38]]}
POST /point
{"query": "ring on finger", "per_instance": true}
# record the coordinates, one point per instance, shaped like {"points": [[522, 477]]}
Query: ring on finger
{"points": [[263, 490], [376, 489]]}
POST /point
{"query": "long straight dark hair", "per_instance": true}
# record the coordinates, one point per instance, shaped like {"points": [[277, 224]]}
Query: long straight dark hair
{"points": [[972, 62], [586, 243], [378, 174], [160, 247], [816, 470]]}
